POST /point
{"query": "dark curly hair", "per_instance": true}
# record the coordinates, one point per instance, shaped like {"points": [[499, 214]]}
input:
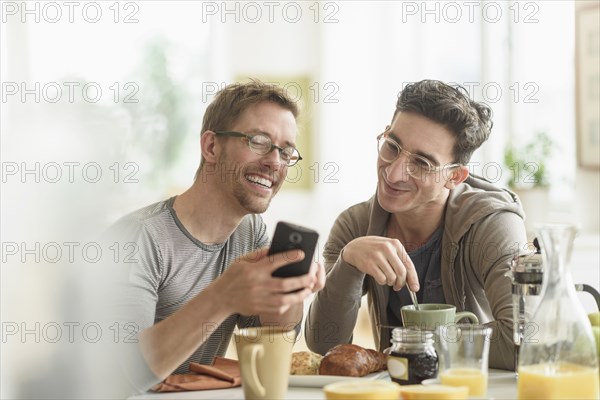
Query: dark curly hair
{"points": [[468, 120]]}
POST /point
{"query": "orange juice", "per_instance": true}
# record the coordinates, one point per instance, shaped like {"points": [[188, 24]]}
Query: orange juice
{"points": [[558, 381], [474, 379], [433, 392], [357, 389]]}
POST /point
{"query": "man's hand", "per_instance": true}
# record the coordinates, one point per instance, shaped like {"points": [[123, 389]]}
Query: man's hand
{"points": [[384, 259], [248, 288]]}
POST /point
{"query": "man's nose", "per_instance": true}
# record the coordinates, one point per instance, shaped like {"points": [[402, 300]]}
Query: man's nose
{"points": [[398, 170], [272, 159]]}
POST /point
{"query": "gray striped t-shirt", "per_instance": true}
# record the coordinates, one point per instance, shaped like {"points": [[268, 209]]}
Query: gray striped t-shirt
{"points": [[172, 267]]}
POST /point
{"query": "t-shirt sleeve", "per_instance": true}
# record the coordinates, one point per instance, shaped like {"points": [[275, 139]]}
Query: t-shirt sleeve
{"points": [[139, 269], [143, 276]]}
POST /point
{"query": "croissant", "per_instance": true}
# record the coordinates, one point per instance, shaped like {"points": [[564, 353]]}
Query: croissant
{"points": [[352, 360]]}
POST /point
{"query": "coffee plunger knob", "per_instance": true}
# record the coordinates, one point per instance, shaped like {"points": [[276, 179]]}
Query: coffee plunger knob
{"points": [[538, 249]]}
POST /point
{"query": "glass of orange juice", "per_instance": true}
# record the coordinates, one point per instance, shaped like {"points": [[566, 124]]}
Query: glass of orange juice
{"points": [[559, 380], [463, 352]]}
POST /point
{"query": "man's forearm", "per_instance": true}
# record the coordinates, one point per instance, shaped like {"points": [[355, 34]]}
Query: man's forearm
{"points": [[170, 342], [333, 312], [287, 320]]}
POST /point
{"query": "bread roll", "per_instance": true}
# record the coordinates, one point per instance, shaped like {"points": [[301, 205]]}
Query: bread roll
{"points": [[305, 363], [351, 360]]}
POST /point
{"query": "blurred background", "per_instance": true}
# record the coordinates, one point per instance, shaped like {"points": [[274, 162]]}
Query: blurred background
{"points": [[102, 104]]}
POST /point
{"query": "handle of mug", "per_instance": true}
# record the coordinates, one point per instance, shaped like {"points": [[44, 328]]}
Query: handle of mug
{"points": [[249, 369], [466, 314]]}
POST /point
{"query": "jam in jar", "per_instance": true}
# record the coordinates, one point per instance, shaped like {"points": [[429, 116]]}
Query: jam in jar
{"points": [[412, 357]]}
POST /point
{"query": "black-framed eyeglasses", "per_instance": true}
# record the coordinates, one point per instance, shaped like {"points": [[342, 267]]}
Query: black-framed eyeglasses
{"points": [[389, 151], [261, 144]]}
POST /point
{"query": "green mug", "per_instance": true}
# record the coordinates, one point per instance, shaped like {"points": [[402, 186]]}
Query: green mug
{"points": [[430, 316]]}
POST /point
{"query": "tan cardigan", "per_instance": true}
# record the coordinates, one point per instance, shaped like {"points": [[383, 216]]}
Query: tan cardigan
{"points": [[483, 230]]}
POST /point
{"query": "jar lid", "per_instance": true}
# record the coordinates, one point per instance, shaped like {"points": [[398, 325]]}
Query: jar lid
{"points": [[411, 335]]}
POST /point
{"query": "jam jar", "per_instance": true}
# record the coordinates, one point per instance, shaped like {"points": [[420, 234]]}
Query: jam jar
{"points": [[412, 357]]}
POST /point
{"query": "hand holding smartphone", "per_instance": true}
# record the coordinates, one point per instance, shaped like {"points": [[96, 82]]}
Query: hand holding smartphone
{"points": [[289, 236]]}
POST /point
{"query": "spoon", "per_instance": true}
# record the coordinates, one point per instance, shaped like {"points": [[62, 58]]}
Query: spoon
{"points": [[413, 296]]}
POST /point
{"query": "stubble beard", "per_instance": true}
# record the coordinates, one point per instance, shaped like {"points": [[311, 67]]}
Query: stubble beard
{"points": [[250, 202], [246, 198]]}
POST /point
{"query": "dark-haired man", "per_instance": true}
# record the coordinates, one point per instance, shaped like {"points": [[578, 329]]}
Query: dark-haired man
{"points": [[430, 227], [203, 266]]}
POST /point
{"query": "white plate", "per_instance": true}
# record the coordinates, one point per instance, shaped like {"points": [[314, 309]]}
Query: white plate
{"points": [[318, 381]]}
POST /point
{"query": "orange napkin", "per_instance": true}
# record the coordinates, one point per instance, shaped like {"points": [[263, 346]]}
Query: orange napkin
{"points": [[223, 374]]}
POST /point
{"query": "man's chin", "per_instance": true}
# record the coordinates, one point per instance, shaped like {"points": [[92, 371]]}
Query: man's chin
{"points": [[259, 210], [257, 207], [390, 203], [384, 200]]}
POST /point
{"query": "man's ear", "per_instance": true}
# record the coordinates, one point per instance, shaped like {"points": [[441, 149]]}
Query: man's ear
{"points": [[209, 147], [457, 176]]}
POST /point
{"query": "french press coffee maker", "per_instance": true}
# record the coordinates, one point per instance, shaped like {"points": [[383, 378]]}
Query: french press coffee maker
{"points": [[527, 273]]}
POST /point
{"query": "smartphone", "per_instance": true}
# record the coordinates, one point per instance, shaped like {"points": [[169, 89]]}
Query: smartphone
{"points": [[289, 236]]}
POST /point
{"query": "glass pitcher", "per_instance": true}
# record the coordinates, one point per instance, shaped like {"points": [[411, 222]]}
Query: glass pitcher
{"points": [[558, 358]]}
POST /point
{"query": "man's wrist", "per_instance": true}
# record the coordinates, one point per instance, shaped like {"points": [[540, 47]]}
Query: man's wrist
{"points": [[219, 297], [344, 261]]}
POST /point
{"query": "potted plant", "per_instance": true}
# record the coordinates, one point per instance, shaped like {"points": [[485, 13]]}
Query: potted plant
{"points": [[528, 177], [527, 164]]}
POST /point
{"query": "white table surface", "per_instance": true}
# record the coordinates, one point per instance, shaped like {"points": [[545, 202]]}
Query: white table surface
{"points": [[501, 385]]}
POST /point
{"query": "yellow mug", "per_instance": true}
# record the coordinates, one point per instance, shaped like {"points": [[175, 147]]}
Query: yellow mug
{"points": [[265, 356]]}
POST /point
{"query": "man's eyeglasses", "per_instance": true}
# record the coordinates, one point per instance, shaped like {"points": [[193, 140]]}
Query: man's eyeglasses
{"points": [[389, 151], [262, 144]]}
